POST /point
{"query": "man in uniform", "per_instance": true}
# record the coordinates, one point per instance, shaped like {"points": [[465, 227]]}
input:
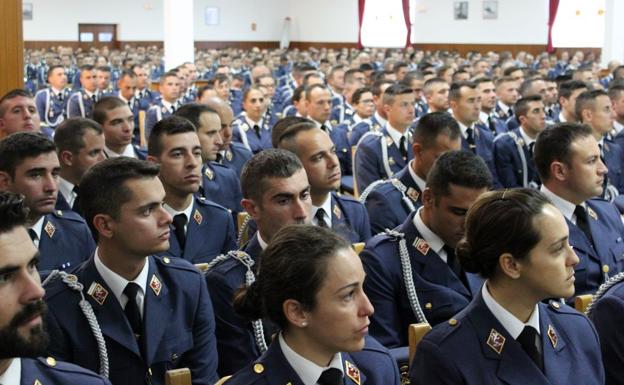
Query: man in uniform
{"points": [[513, 151], [167, 104], [117, 122], [389, 202], [147, 314], [29, 166], [52, 101], [379, 155], [143, 92], [436, 91], [276, 193], [103, 75], [18, 113], [220, 183], [507, 94], [79, 145], [567, 157], [22, 333], [616, 93], [82, 101], [379, 118], [202, 228], [429, 236], [568, 92], [317, 153], [487, 116]]}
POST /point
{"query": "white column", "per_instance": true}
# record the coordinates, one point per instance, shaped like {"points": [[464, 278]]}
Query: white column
{"points": [[613, 45], [179, 38]]}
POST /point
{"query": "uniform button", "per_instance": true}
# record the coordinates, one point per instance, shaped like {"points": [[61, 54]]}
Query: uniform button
{"points": [[428, 305], [51, 361], [166, 260], [174, 357], [452, 322], [258, 368], [556, 305], [605, 269]]}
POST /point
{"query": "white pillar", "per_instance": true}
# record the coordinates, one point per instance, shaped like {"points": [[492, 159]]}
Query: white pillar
{"points": [[613, 45], [179, 40]]}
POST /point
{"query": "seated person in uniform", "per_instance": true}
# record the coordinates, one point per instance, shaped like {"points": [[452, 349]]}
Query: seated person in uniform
{"points": [[317, 153], [429, 236], [310, 285], [22, 332], [567, 157], [150, 314], [250, 128], [79, 145], [389, 202], [518, 241], [29, 166], [276, 194], [220, 184], [202, 229], [18, 112], [117, 123], [513, 150]]}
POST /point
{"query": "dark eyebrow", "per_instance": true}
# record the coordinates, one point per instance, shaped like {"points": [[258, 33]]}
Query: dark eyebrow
{"points": [[282, 195], [13, 268], [562, 239], [349, 286]]}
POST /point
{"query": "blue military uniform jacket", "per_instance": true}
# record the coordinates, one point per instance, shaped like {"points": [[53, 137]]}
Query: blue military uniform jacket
{"points": [[349, 218], [607, 250], [370, 164], [362, 128], [221, 185], [48, 371], [607, 315], [245, 134], [209, 232], [614, 160], [476, 349], [81, 105], [510, 163], [235, 157], [178, 325], [375, 366], [484, 146], [140, 153], [155, 114], [65, 242], [341, 113], [441, 293], [51, 108], [388, 206]]}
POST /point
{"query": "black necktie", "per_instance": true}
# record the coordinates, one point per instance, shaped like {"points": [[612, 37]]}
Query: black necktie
{"points": [[60, 96], [257, 130], [529, 340], [173, 108], [32, 234], [179, 221], [132, 309], [470, 139], [491, 125], [453, 263], [320, 218], [93, 98], [531, 146], [331, 376], [582, 222], [403, 147], [324, 128], [76, 204]]}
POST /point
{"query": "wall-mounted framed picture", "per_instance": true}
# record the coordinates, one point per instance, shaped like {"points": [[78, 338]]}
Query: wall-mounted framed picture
{"points": [[211, 16], [27, 11], [490, 9], [460, 10]]}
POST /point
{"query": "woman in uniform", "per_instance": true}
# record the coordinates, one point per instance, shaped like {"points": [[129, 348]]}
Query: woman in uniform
{"points": [[518, 242]]}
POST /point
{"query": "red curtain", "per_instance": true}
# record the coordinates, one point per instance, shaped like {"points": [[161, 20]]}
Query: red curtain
{"points": [[408, 25], [361, 5], [552, 15]]}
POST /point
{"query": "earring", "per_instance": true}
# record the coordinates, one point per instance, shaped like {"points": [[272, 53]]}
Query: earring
{"points": [[304, 324]]}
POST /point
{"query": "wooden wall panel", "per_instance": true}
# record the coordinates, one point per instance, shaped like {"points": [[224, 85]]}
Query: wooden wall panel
{"points": [[11, 46]]}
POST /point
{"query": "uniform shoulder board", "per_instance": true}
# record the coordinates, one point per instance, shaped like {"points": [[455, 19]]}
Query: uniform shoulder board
{"points": [[175, 263], [68, 215], [558, 307], [208, 203], [51, 363]]}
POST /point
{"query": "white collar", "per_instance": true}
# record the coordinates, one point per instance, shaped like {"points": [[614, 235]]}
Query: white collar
{"points": [[326, 206], [308, 371], [167, 105], [37, 227], [562, 119], [252, 123], [421, 183], [13, 374], [90, 94], [261, 241], [504, 107], [117, 283], [128, 151], [566, 208], [509, 321], [464, 128], [357, 118], [67, 189], [55, 91], [435, 242], [483, 117], [187, 212], [319, 125], [617, 126], [396, 136], [122, 98], [382, 121], [525, 137]]}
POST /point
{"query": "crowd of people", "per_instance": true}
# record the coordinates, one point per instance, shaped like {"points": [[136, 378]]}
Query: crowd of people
{"points": [[207, 216]]}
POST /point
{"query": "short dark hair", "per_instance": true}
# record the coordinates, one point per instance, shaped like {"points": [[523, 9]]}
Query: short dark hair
{"points": [[21, 145], [349, 75], [69, 135], [15, 93], [52, 68], [527, 84], [378, 86], [168, 74], [103, 189], [102, 106], [587, 100], [433, 124], [568, 87], [456, 87], [284, 124], [522, 105], [312, 87], [104, 68], [298, 93], [193, 111], [459, 168], [509, 70], [554, 144], [500, 222], [87, 67], [13, 211], [614, 92], [170, 125], [357, 94], [395, 90], [270, 163], [127, 73], [286, 136], [293, 266]]}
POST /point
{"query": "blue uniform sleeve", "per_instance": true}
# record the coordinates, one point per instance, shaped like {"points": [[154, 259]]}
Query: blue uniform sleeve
{"points": [[366, 165], [608, 318], [380, 213], [364, 227], [40, 101], [431, 367], [503, 159], [59, 346], [73, 109]]}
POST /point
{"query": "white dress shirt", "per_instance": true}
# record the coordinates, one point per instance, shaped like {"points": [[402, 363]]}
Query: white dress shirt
{"points": [[13, 374], [308, 371], [326, 206], [435, 242], [509, 321]]}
